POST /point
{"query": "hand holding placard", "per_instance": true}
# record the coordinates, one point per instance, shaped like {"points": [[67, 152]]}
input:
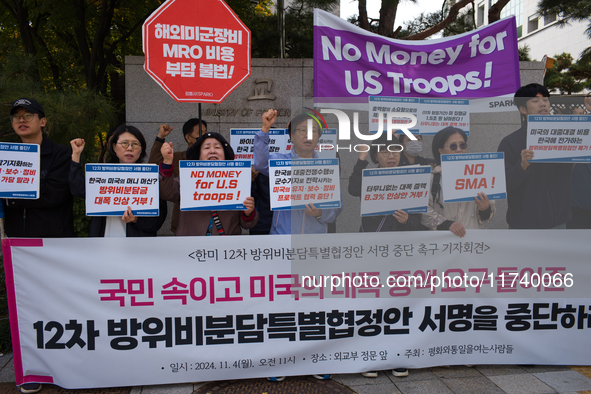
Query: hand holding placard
{"points": [[249, 204]]}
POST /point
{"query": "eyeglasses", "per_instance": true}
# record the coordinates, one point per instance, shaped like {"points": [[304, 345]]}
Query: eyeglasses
{"points": [[304, 131], [17, 118], [386, 153], [125, 144], [454, 146]]}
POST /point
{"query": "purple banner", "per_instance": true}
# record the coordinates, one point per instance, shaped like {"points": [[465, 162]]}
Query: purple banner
{"points": [[350, 62]]}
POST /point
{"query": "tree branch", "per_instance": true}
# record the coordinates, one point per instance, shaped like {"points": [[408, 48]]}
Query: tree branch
{"points": [[453, 14]]}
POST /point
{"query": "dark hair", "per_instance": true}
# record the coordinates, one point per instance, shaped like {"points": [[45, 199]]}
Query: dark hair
{"points": [[115, 138], [194, 152], [402, 136], [524, 93], [302, 118], [383, 140], [190, 125], [441, 137]]}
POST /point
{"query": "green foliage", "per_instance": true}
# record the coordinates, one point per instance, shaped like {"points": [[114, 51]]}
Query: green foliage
{"points": [[421, 23], [299, 30], [70, 114], [568, 77], [524, 52], [464, 22]]}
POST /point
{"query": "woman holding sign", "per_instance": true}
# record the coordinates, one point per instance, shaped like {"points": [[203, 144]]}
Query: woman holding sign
{"points": [[126, 145], [381, 155], [210, 146], [454, 216], [398, 221]]}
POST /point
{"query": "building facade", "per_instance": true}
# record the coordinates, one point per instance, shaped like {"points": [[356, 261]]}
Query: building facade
{"points": [[543, 35]]}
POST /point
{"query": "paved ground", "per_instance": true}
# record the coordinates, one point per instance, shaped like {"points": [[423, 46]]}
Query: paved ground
{"points": [[482, 379]]}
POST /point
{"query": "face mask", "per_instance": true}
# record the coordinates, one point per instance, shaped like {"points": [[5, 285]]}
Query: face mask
{"points": [[413, 148]]}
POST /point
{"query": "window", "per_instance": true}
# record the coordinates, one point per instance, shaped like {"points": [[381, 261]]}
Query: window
{"points": [[549, 19], [480, 14], [532, 24]]}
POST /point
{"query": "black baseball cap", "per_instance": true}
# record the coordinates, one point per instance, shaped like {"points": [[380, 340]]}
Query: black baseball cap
{"points": [[30, 105]]}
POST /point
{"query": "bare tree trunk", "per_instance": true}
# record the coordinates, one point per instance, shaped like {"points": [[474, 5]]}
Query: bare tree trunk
{"points": [[387, 17], [362, 18], [494, 12]]}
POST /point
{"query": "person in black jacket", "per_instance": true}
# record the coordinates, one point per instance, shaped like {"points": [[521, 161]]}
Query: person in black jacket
{"points": [[400, 220], [127, 145], [538, 194], [51, 214]]}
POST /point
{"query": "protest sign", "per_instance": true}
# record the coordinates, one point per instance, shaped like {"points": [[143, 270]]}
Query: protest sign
{"points": [[386, 190], [234, 308], [327, 144], [19, 170], [350, 62], [242, 141], [295, 183], [559, 138], [432, 114], [197, 51], [463, 176], [111, 188], [220, 185]]}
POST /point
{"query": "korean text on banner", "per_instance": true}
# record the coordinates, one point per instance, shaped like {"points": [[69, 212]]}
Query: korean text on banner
{"points": [[242, 140], [463, 176], [432, 114], [295, 183], [197, 51], [233, 310], [111, 188], [386, 190], [559, 138], [352, 62], [220, 185], [19, 170]]}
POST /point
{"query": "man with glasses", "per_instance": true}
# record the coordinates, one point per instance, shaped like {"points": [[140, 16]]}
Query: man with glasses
{"points": [[311, 220], [51, 214], [192, 130], [538, 194]]}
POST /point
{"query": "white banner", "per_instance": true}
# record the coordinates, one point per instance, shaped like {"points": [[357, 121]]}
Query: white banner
{"points": [[386, 190], [503, 103], [432, 114], [111, 188], [295, 183], [559, 138], [465, 175], [220, 185], [185, 309], [19, 170]]}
